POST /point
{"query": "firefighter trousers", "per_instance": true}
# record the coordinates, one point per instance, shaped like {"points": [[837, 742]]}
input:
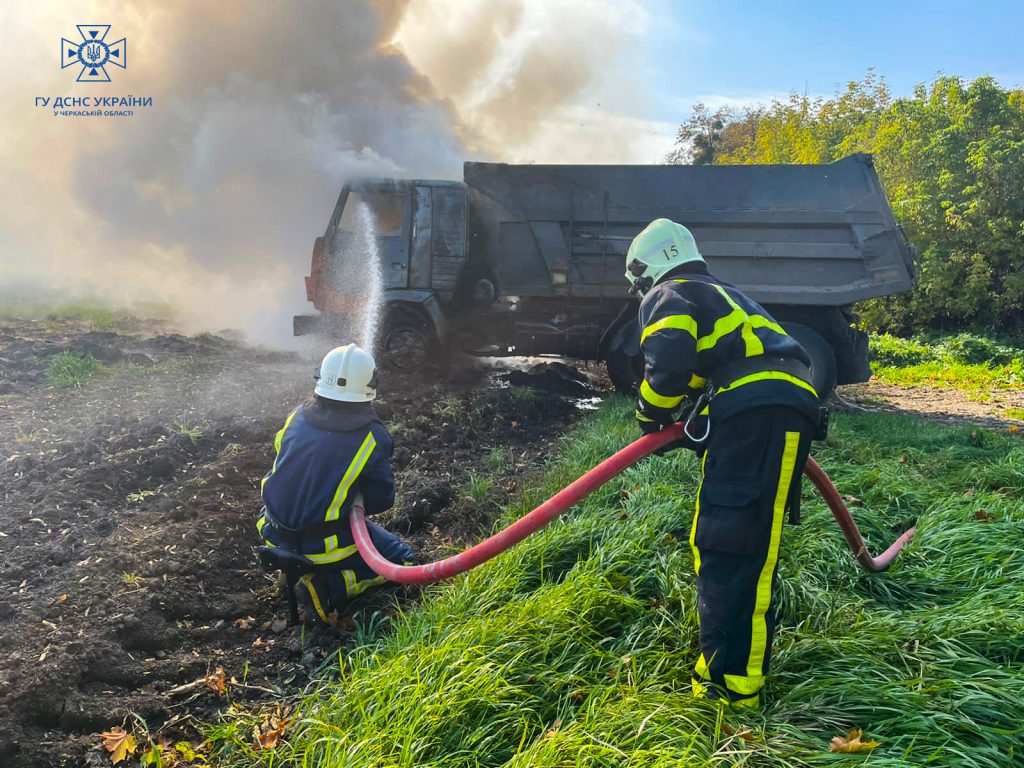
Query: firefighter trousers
{"points": [[751, 472], [330, 588]]}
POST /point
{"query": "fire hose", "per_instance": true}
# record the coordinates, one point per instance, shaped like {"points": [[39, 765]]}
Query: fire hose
{"points": [[573, 493]]}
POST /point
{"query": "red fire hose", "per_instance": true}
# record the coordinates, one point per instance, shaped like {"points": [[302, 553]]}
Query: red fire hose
{"points": [[573, 493]]}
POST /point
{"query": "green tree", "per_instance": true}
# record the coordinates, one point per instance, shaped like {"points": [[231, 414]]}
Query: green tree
{"points": [[951, 158], [698, 139]]}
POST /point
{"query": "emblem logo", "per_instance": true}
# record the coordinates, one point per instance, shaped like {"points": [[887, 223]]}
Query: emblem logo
{"points": [[93, 53]]}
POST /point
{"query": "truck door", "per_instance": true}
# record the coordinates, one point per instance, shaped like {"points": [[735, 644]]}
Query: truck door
{"points": [[422, 229], [438, 250]]}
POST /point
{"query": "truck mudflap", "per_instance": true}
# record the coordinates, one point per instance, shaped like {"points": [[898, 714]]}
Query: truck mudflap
{"points": [[856, 366]]}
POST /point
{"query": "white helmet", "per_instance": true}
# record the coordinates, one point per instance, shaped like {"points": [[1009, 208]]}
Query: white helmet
{"points": [[662, 246], [347, 374]]}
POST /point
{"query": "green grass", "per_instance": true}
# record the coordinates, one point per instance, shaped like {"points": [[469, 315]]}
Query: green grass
{"points": [[973, 364], [499, 460], [98, 314], [575, 648], [184, 427], [71, 370], [479, 487]]}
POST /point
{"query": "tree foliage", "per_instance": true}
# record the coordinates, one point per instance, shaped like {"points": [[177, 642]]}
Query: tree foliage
{"points": [[951, 159]]}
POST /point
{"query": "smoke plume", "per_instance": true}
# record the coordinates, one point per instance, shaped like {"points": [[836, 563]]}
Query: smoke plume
{"points": [[210, 200]]}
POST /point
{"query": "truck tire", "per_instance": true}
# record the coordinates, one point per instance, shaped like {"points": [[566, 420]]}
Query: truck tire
{"points": [[408, 342], [623, 359], [823, 359]]}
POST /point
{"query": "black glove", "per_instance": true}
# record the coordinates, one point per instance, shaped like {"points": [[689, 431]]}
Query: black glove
{"points": [[649, 427], [683, 442]]}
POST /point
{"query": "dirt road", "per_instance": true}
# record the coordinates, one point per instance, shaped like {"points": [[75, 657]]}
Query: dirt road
{"points": [[127, 568]]}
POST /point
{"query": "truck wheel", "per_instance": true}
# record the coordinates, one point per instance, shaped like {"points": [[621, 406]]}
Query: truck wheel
{"points": [[623, 359], [408, 343], [823, 359]]}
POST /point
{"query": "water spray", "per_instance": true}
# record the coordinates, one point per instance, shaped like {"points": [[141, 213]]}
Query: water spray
{"points": [[374, 293]]}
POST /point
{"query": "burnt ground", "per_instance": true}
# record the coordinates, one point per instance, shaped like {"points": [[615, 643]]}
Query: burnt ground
{"points": [[127, 565]]}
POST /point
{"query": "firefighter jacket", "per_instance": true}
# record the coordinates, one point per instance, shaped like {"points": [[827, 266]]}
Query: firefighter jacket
{"points": [[326, 454], [694, 328]]}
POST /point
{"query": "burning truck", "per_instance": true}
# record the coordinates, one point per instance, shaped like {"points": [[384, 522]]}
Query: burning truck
{"points": [[529, 259]]}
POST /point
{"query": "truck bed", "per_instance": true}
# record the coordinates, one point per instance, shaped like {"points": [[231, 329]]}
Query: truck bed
{"points": [[785, 234]]}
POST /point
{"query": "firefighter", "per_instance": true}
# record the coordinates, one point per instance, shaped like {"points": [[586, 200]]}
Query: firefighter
{"points": [[331, 449], [705, 341]]}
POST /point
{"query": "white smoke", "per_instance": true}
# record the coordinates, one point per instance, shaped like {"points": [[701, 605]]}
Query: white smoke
{"points": [[211, 199]]}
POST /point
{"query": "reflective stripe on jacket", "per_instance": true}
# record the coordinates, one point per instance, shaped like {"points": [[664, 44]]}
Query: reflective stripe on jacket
{"points": [[691, 324]]}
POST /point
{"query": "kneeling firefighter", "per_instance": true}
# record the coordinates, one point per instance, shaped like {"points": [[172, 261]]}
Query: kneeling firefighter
{"points": [[331, 449], [703, 341]]}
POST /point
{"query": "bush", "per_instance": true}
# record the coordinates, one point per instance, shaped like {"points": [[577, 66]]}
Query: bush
{"points": [[971, 349], [893, 351], [964, 348]]}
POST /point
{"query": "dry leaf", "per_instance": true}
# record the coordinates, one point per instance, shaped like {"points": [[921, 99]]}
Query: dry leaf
{"points": [[216, 681], [742, 732], [984, 516], [119, 743], [851, 743], [903, 460], [553, 729], [852, 501], [244, 623], [269, 733], [62, 598]]}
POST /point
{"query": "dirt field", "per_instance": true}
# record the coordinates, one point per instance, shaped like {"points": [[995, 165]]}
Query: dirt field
{"points": [[947, 406], [127, 567]]}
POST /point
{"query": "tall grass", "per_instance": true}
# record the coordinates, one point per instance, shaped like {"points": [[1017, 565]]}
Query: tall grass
{"points": [[575, 648]]}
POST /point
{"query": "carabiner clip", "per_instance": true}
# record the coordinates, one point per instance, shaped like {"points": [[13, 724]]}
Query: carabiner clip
{"points": [[701, 402]]}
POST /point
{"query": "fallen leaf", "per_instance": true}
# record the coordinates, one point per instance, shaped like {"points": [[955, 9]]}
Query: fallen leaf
{"points": [[742, 732], [62, 598], [1014, 428], [553, 729], [216, 681], [852, 501], [244, 623], [271, 730], [119, 743], [968, 493], [984, 516], [903, 460], [851, 742]]}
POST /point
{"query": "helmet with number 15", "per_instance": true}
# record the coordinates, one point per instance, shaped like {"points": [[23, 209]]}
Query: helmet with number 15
{"points": [[662, 246]]}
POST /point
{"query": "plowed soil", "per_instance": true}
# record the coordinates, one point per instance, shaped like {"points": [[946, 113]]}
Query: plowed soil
{"points": [[127, 565]]}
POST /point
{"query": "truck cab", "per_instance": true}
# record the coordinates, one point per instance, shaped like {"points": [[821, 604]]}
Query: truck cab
{"points": [[411, 235]]}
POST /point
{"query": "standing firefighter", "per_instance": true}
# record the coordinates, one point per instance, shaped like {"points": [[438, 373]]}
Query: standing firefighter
{"points": [[331, 449], [701, 335]]}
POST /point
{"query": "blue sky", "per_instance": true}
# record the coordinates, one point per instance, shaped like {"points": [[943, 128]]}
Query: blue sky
{"points": [[750, 51]]}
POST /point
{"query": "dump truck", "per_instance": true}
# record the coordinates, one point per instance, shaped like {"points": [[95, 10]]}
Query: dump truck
{"points": [[530, 259]]}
